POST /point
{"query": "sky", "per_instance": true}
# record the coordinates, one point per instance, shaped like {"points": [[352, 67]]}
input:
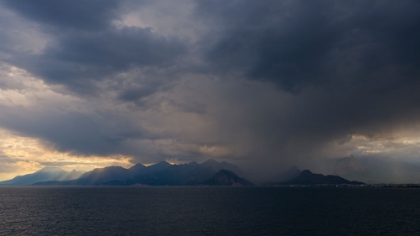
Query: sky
{"points": [[262, 84]]}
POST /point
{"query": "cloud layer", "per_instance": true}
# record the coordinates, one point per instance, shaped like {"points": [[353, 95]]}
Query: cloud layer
{"points": [[264, 84]]}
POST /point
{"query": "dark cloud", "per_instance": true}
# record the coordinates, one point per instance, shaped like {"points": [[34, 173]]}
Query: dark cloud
{"points": [[88, 15], [79, 58], [136, 94], [296, 44], [351, 67], [280, 82]]}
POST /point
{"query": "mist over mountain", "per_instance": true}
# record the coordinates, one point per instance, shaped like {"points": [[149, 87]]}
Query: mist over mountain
{"points": [[45, 174], [374, 170]]}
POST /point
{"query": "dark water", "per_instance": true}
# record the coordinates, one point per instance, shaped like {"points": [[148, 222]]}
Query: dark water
{"points": [[209, 211]]}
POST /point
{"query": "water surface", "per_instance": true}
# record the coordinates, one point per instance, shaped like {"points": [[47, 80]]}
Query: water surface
{"points": [[208, 211]]}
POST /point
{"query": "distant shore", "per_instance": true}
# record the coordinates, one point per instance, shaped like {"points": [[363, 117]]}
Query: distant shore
{"points": [[348, 186]]}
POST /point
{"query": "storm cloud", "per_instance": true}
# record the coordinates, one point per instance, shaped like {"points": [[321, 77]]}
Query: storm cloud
{"points": [[259, 83]]}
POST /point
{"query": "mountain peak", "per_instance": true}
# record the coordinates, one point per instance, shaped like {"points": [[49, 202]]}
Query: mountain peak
{"points": [[159, 166], [162, 163], [137, 166]]}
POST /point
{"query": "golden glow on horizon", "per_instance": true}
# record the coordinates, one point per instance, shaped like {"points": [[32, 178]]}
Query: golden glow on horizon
{"points": [[23, 155]]}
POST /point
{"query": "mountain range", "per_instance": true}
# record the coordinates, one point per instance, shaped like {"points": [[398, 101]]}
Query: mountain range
{"points": [[210, 172], [213, 173], [45, 174]]}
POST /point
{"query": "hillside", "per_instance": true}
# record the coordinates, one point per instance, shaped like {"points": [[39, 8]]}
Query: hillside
{"points": [[227, 178], [45, 174]]}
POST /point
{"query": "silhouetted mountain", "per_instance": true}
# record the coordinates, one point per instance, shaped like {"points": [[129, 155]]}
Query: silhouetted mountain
{"points": [[309, 178], [159, 166], [375, 170], [226, 178], [45, 174], [95, 177], [103, 175], [184, 174], [160, 174], [115, 174]]}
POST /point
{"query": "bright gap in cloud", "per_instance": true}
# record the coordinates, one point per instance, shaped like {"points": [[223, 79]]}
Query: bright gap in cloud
{"points": [[21, 155]]}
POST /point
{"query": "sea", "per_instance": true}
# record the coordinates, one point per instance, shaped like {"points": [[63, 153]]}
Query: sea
{"points": [[208, 211]]}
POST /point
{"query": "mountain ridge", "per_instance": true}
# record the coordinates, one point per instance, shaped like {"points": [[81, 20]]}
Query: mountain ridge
{"points": [[159, 174]]}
